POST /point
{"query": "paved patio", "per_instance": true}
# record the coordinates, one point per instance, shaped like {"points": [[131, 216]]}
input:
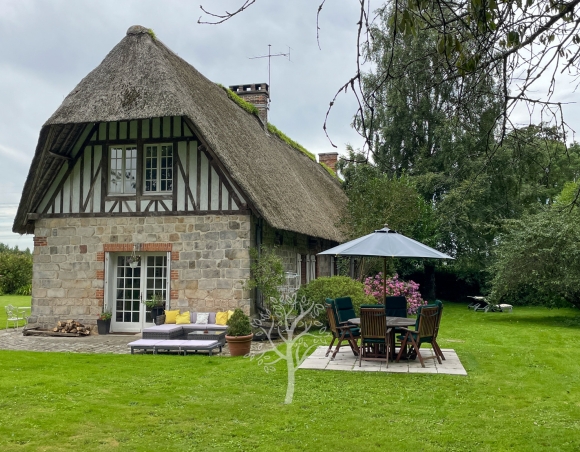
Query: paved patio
{"points": [[346, 361], [12, 339]]}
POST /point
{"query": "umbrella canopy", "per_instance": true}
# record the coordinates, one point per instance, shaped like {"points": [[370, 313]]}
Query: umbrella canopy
{"points": [[386, 243]]}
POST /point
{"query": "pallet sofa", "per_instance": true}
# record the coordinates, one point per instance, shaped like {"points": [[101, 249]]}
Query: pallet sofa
{"points": [[156, 345]]}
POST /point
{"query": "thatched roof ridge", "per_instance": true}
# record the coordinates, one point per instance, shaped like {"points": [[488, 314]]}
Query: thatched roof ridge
{"points": [[141, 78]]}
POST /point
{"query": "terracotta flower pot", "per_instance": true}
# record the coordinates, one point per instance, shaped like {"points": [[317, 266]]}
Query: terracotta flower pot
{"points": [[239, 345]]}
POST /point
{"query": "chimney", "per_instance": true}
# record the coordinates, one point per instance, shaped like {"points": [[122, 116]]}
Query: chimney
{"points": [[329, 159], [257, 94]]}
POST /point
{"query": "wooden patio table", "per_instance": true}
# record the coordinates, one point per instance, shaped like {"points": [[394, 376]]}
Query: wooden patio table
{"points": [[392, 322]]}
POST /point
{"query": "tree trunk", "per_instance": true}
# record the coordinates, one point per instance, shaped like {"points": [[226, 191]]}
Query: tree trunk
{"points": [[429, 282], [291, 372]]}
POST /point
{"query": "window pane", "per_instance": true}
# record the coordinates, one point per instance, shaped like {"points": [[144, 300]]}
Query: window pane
{"points": [[165, 168], [130, 169], [151, 168], [123, 167], [116, 173]]}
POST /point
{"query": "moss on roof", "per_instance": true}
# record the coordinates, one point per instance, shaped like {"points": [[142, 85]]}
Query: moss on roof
{"points": [[251, 108], [289, 141], [329, 170]]}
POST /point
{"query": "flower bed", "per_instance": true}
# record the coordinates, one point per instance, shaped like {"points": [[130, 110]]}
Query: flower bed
{"points": [[395, 287]]}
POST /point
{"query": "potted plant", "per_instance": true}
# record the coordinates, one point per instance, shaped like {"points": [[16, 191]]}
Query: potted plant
{"points": [[239, 333], [104, 322], [156, 304], [134, 260]]}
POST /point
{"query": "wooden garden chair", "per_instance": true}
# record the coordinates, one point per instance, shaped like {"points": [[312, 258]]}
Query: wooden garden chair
{"points": [[339, 332], [425, 332], [396, 306], [344, 310], [434, 343], [375, 336]]}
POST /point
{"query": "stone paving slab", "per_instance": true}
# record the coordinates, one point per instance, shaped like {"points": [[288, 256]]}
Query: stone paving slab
{"points": [[346, 361]]}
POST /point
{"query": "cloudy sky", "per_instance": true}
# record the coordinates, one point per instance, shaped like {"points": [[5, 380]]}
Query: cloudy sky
{"points": [[49, 46]]}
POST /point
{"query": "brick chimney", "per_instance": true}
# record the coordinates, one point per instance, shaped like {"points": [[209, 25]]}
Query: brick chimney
{"points": [[329, 159], [256, 94]]}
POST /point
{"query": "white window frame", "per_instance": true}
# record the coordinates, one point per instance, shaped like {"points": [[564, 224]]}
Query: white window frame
{"points": [[158, 180], [123, 177], [299, 268]]}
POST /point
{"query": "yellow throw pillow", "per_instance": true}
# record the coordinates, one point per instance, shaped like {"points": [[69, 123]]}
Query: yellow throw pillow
{"points": [[230, 314], [182, 319], [171, 316], [221, 318]]}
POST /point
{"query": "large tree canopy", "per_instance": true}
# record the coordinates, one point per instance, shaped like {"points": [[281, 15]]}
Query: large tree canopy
{"points": [[521, 43]]}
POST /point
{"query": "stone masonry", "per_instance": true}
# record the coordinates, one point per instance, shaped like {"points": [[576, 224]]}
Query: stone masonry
{"points": [[209, 262]]}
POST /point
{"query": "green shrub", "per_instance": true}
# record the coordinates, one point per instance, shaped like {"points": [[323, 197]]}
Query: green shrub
{"points": [[319, 289], [24, 290], [16, 270], [239, 324], [267, 272]]}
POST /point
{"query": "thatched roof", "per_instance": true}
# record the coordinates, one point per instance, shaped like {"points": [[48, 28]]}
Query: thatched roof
{"points": [[141, 78]]}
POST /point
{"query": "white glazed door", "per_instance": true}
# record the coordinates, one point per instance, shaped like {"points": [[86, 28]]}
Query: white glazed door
{"points": [[134, 285]]}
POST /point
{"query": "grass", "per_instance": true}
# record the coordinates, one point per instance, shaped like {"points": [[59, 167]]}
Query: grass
{"points": [[14, 300], [521, 393]]}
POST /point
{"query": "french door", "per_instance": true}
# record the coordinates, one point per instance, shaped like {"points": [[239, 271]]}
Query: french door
{"points": [[132, 285]]}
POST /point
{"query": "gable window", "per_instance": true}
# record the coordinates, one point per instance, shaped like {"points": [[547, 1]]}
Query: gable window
{"points": [[158, 168], [123, 169]]}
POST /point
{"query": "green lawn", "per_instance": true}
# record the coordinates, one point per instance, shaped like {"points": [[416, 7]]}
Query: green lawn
{"points": [[14, 300], [522, 392]]}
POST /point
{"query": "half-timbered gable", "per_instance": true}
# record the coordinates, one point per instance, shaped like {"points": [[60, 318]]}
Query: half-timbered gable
{"points": [[128, 168], [147, 159]]}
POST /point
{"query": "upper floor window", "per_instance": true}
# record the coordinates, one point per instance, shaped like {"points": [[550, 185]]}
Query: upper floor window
{"points": [[158, 168], [123, 169]]}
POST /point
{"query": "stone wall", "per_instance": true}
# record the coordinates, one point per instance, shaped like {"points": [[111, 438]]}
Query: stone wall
{"points": [[288, 244], [209, 262]]}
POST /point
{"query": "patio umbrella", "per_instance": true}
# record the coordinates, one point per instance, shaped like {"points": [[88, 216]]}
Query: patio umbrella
{"points": [[385, 243]]}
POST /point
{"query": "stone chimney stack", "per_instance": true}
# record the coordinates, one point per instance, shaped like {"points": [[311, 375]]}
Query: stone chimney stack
{"points": [[329, 159], [257, 94]]}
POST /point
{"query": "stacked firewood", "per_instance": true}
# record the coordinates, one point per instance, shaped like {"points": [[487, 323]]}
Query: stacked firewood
{"points": [[72, 327]]}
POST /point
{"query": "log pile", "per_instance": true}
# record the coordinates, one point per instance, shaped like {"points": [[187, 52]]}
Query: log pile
{"points": [[71, 327]]}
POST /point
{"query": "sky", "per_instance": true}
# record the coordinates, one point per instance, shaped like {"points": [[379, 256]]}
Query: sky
{"points": [[49, 46]]}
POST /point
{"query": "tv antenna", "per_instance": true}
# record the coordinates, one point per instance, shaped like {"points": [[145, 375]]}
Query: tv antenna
{"points": [[270, 56]]}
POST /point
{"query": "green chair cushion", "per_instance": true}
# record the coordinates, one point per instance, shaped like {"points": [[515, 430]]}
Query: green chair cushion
{"points": [[374, 341]]}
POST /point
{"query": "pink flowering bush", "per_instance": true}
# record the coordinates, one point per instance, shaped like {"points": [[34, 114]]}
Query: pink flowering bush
{"points": [[395, 287]]}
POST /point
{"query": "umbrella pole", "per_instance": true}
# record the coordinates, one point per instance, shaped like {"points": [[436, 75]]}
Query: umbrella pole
{"points": [[384, 279]]}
